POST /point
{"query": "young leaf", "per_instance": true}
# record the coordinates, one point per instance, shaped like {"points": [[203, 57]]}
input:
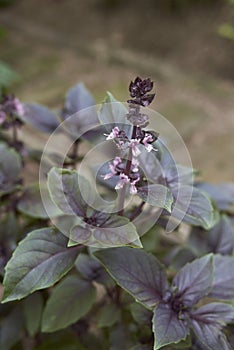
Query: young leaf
{"points": [[216, 313], [167, 327], [200, 211], [156, 195], [66, 188], [194, 280], [40, 118], [39, 261], [70, 300], [137, 272], [30, 203], [209, 334], [33, 315], [223, 284]]}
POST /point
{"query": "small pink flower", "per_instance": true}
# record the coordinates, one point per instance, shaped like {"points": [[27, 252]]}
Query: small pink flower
{"points": [[133, 189], [148, 138], [134, 146], [124, 179], [114, 133], [135, 165], [112, 168]]}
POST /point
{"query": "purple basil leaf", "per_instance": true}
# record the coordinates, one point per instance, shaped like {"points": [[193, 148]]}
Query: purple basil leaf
{"points": [[222, 194], [197, 241], [151, 167], [215, 313], [67, 189], [220, 239], [199, 212], [179, 256], [194, 280], [80, 113], [175, 174], [167, 327], [117, 231], [77, 98], [40, 260], [40, 118], [209, 334], [223, 284], [137, 272], [10, 165], [156, 195], [79, 235], [92, 270]]}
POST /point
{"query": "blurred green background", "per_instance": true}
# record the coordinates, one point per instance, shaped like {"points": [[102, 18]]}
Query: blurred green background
{"points": [[185, 46]]}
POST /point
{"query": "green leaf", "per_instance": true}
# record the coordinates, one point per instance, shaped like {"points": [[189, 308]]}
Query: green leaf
{"points": [[33, 315], [67, 189], [39, 261], [167, 327], [156, 195], [70, 300], [108, 316], [140, 314], [137, 272], [31, 204], [66, 340]]}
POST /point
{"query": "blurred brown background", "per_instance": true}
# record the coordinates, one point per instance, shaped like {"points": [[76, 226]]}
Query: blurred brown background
{"points": [[185, 46]]}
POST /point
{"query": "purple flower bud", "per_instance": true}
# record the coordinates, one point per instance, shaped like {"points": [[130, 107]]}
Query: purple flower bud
{"points": [[140, 87]]}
